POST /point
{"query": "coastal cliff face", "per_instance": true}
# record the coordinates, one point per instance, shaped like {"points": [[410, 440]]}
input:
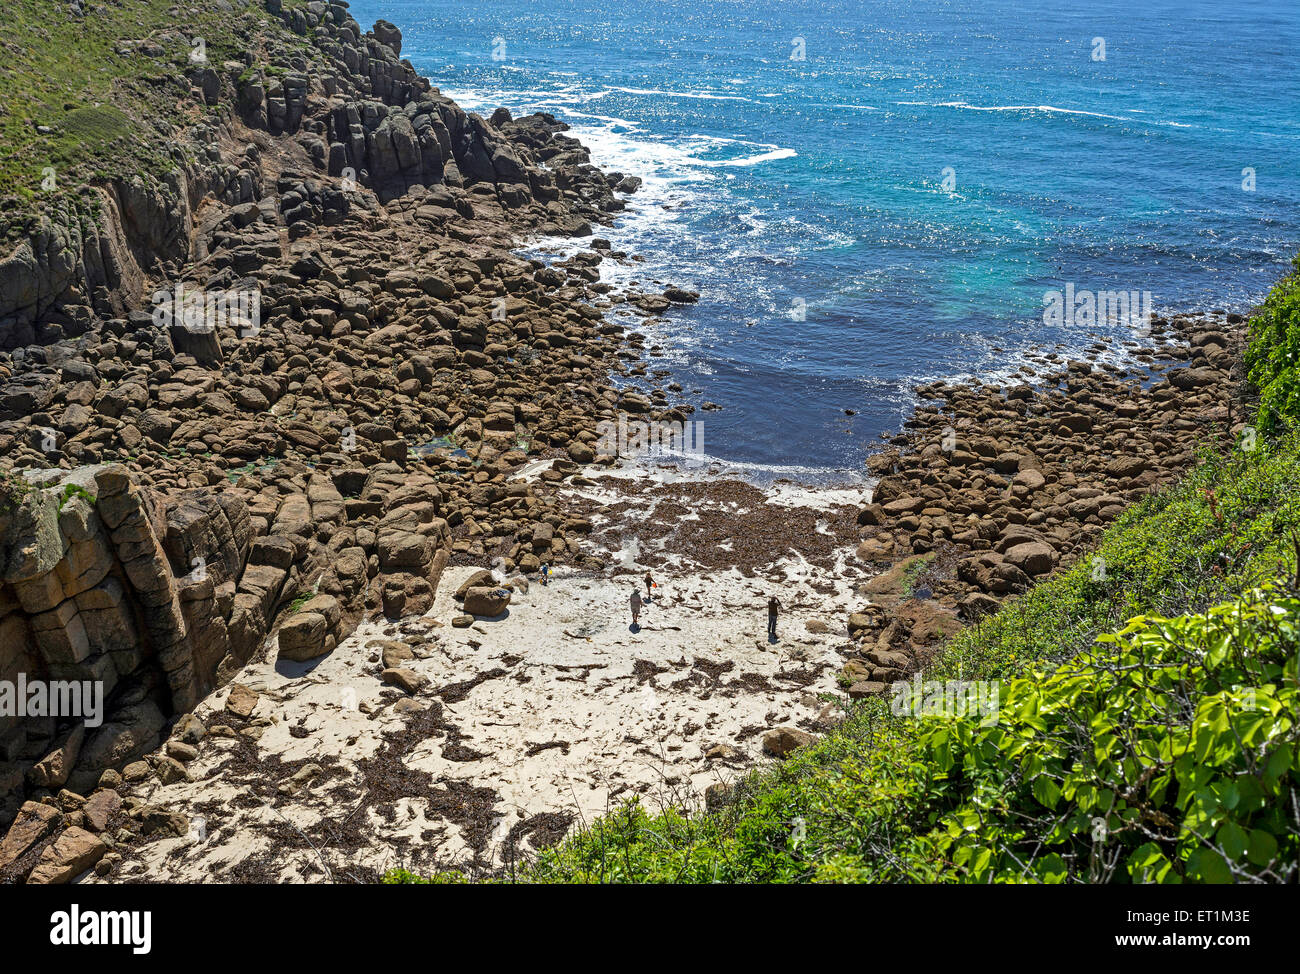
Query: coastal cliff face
{"points": [[220, 378], [346, 107], [97, 589]]}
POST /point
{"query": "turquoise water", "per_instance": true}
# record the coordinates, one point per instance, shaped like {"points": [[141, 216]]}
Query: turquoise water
{"points": [[775, 184]]}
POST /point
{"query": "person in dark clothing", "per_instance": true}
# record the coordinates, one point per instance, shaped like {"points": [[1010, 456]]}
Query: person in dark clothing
{"points": [[649, 584], [773, 606]]}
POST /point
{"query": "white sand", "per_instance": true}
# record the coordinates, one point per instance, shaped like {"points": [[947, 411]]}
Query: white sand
{"points": [[569, 655]]}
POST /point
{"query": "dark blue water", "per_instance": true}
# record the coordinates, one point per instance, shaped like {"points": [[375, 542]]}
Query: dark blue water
{"points": [[774, 183]]}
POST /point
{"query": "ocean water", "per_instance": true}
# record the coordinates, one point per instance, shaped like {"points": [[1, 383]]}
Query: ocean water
{"points": [[872, 195]]}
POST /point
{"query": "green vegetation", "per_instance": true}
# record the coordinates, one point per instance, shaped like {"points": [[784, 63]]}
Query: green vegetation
{"points": [[73, 490], [1274, 353], [14, 489], [94, 98], [1165, 754]]}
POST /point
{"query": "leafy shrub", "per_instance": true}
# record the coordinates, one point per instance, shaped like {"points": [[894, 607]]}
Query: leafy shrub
{"points": [[1169, 753], [1274, 354]]}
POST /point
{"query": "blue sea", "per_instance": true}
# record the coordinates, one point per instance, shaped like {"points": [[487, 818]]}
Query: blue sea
{"points": [[872, 195]]}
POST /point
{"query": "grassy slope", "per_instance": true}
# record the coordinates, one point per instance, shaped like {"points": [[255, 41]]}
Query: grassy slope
{"points": [[1274, 355], [64, 73], [1137, 757]]}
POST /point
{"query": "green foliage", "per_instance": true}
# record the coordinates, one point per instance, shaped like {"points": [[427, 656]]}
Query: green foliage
{"points": [[404, 877], [76, 96], [1168, 753], [1274, 353], [73, 490], [13, 491]]}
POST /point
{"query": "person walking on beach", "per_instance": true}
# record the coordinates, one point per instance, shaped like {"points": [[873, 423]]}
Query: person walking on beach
{"points": [[544, 573], [773, 606], [649, 584], [636, 606]]}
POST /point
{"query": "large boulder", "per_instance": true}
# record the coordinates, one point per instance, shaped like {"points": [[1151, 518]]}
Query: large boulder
{"points": [[484, 601], [303, 637], [781, 741], [70, 855], [312, 631], [479, 578], [1032, 557], [386, 33], [131, 733], [34, 822], [241, 701]]}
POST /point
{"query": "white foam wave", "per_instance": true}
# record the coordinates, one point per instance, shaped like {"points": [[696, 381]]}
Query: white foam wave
{"points": [[769, 156], [704, 466], [659, 92], [1051, 109]]}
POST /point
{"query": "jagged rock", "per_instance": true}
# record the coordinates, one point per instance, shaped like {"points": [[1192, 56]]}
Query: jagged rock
{"points": [[100, 809], [303, 637], [131, 733], [170, 771], [181, 751], [189, 729], [241, 701], [154, 820], [35, 821], [71, 854], [53, 770], [404, 679], [477, 580], [780, 741]]}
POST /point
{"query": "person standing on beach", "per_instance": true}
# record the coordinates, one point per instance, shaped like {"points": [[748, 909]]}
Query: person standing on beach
{"points": [[636, 605], [773, 606], [649, 584], [544, 573]]}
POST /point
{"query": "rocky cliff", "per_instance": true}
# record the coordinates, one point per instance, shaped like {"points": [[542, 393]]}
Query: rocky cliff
{"points": [[350, 109], [108, 583]]}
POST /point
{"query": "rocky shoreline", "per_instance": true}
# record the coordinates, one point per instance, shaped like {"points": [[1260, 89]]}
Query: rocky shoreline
{"points": [[300, 552], [989, 488]]}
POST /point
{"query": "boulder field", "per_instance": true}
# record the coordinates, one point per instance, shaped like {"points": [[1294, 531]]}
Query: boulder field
{"points": [[990, 487]]}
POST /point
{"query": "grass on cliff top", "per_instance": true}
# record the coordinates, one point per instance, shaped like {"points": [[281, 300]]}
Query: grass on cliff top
{"points": [[64, 73]]}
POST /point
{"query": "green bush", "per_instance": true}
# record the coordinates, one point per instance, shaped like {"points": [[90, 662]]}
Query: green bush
{"points": [[1274, 353], [1169, 753]]}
